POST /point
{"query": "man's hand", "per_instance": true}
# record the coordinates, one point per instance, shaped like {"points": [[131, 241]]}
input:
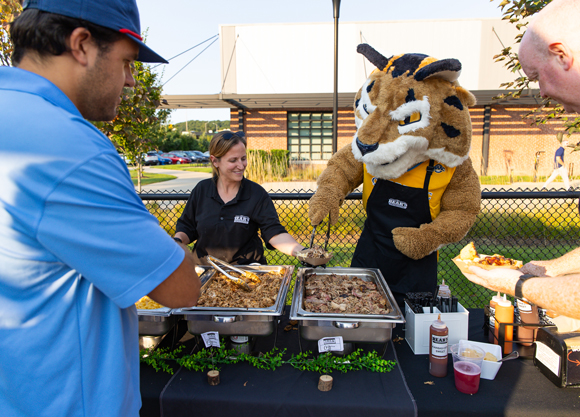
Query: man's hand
{"points": [[500, 279], [537, 268]]}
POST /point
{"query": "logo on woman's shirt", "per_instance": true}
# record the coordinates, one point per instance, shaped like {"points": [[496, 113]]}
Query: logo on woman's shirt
{"points": [[242, 219]]}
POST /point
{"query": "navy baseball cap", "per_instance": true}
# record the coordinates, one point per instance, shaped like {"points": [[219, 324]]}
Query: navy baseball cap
{"points": [[119, 15]]}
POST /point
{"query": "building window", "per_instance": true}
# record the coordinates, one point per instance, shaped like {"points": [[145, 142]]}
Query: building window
{"points": [[310, 136]]}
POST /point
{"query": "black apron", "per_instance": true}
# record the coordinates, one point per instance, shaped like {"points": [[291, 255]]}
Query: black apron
{"points": [[392, 205]]}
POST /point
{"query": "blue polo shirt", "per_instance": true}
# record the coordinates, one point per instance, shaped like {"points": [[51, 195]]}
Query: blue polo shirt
{"points": [[77, 249], [559, 153]]}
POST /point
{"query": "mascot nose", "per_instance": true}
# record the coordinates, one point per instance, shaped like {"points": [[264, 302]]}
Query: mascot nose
{"points": [[364, 149]]}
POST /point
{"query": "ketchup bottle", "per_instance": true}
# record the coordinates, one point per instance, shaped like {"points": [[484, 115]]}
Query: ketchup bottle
{"points": [[438, 356], [504, 313]]}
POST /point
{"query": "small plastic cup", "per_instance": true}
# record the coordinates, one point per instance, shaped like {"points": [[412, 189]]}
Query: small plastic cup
{"points": [[467, 362]]}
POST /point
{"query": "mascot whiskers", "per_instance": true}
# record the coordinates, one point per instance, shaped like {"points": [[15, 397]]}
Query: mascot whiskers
{"points": [[411, 153]]}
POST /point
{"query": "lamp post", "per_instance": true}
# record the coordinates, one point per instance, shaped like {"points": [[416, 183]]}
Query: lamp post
{"points": [[336, 12]]}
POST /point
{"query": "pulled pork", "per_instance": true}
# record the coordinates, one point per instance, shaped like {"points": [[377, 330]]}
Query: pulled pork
{"points": [[316, 252], [222, 292], [344, 295]]}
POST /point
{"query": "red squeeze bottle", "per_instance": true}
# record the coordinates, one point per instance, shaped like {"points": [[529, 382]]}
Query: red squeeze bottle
{"points": [[504, 313], [438, 356]]}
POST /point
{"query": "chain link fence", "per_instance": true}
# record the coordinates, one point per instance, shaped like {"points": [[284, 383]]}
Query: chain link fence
{"points": [[525, 225]]}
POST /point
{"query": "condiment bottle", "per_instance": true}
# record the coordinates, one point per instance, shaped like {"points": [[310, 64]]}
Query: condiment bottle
{"points": [[528, 315], [504, 313], [438, 356], [492, 304], [444, 290]]}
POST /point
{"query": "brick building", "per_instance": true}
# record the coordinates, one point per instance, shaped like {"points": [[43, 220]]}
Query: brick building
{"points": [[278, 81]]}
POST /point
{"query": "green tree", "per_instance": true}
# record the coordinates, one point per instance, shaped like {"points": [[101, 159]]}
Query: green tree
{"points": [[138, 125], [518, 12], [9, 10]]}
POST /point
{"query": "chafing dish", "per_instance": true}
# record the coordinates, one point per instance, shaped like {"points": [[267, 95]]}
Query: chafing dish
{"points": [[361, 328], [238, 321], [155, 322], [158, 322]]}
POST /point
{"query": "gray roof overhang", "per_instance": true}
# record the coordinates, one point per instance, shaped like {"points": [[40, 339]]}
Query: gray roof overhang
{"points": [[310, 100]]}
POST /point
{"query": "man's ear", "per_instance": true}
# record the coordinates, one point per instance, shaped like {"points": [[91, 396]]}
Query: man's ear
{"points": [[563, 55], [81, 44]]}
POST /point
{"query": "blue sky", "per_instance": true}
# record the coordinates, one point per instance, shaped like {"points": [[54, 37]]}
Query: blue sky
{"points": [[177, 25]]}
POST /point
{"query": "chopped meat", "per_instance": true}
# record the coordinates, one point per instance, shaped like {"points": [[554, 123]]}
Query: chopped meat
{"points": [[343, 294], [314, 252], [222, 292]]}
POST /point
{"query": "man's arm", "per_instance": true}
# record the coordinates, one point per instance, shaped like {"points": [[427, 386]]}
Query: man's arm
{"points": [[560, 294], [564, 265], [181, 288]]}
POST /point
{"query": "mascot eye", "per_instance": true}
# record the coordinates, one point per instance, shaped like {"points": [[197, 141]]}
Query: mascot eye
{"points": [[412, 115], [413, 118]]}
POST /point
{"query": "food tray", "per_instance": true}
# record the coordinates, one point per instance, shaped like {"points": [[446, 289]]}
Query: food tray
{"points": [[363, 328], [159, 321], [238, 321], [155, 322]]}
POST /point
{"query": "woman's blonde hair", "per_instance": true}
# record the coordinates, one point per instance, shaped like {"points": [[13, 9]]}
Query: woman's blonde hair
{"points": [[221, 144]]}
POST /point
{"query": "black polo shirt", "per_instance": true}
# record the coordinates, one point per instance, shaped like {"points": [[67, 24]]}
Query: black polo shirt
{"points": [[230, 231]]}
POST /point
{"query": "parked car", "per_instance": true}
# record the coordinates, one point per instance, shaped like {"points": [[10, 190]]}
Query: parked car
{"points": [[200, 157], [126, 159], [151, 158], [163, 160], [176, 159]]}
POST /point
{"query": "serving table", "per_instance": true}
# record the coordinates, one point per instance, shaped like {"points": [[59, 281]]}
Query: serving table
{"points": [[519, 388]]}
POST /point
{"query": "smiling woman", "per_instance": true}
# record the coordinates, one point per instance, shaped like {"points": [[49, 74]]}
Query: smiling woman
{"points": [[224, 213]]}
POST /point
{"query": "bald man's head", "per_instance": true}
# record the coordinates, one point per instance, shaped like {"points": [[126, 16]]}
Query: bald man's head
{"points": [[550, 52], [557, 22]]}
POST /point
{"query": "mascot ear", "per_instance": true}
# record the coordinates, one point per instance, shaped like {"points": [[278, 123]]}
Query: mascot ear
{"points": [[447, 69], [373, 56], [466, 97]]}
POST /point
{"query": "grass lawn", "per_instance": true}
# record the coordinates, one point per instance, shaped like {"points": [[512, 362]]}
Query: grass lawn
{"points": [[149, 178], [184, 168]]}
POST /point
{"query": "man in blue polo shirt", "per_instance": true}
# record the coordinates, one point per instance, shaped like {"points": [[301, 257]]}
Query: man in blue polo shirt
{"points": [[77, 246], [559, 167]]}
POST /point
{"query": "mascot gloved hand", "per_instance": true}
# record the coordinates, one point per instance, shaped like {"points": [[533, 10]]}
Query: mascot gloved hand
{"points": [[411, 153]]}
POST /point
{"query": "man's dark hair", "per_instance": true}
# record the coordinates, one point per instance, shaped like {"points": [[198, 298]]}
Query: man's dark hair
{"points": [[47, 34]]}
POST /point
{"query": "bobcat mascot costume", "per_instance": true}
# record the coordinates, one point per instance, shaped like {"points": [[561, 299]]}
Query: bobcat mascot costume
{"points": [[411, 152]]}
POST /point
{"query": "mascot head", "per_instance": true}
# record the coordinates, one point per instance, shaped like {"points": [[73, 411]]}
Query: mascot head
{"points": [[411, 109]]}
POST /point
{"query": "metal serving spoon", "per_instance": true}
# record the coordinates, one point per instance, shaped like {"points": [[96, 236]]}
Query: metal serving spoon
{"points": [[515, 354]]}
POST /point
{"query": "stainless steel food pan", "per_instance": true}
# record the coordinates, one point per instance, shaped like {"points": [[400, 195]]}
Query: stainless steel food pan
{"points": [[362, 328], [238, 321], [155, 322]]}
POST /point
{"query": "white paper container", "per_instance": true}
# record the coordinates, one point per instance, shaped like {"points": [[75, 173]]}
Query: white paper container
{"points": [[489, 369]]}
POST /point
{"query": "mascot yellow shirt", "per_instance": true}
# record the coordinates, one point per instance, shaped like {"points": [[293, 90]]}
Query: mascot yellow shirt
{"points": [[415, 178]]}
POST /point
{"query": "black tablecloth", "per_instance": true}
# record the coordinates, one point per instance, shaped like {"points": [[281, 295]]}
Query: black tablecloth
{"points": [[247, 391], [519, 388]]}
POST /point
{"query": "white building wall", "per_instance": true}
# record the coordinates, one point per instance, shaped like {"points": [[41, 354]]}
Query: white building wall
{"points": [[299, 58]]}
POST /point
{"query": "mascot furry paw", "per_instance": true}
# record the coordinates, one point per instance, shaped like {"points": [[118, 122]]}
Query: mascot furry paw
{"points": [[411, 152]]}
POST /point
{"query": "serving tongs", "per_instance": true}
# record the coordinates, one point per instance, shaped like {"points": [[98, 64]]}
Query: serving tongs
{"points": [[250, 275], [317, 261]]}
